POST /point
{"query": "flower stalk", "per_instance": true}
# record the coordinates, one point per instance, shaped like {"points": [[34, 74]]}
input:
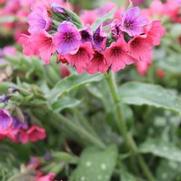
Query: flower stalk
{"points": [[120, 121]]}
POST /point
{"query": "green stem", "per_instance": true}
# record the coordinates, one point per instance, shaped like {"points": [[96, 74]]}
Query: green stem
{"points": [[84, 133], [120, 121]]}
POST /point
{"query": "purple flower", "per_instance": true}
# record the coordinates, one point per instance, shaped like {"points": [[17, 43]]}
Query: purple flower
{"points": [[5, 121], [39, 20], [4, 98], [67, 40], [17, 124], [99, 39], [133, 22], [115, 29], [179, 2], [86, 35]]}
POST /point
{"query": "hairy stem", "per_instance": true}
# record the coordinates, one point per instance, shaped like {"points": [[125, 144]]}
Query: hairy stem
{"points": [[120, 121]]}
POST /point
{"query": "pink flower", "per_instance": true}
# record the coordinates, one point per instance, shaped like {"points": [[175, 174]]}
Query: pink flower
{"points": [[9, 51], [23, 136], [98, 64], [31, 134], [29, 47], [40, 44], [44, 43], [117, 55], [39, 20], [49, 177], [140, 48], [154, 32], [36, 133], [105, 8], [88, 17], [143, 66], [81, 58], [156, 8], [64, 71]]}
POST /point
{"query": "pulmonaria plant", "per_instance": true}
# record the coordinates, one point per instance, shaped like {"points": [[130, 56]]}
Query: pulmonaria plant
{"points": [[125, 38]]}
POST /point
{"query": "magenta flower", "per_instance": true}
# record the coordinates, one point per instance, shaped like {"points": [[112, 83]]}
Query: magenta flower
{"points": [[137, 2], [99, 39], [67, 40], [179, 2], [98, 64], [133, 22], [81, 58], [39, 20], [115, 29], [117, 55]]}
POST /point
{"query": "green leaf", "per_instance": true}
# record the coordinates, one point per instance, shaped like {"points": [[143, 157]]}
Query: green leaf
{"points": [[96, 165], [27, 175], [175, 30], [65, 102], [137, 93], [126, 176], [161, 149], [171, 63], [65, 157], [4, 86], [102, 19], [71, 83], [168, 170]]}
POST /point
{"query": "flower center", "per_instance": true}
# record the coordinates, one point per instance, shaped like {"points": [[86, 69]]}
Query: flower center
{"points": [[116, 51], [98, 57], [135, 43], [85, 35], [68, 37], [128, 24]]}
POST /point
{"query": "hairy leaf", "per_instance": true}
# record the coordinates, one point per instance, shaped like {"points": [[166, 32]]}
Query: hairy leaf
{"points": [[96, 165], [161, 149], [136, 93]]}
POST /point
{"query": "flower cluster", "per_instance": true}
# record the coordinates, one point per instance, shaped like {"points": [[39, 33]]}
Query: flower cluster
{"points": [[19, 131], [15, 11], [169, 8], [126, 37], [34, 164]]}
